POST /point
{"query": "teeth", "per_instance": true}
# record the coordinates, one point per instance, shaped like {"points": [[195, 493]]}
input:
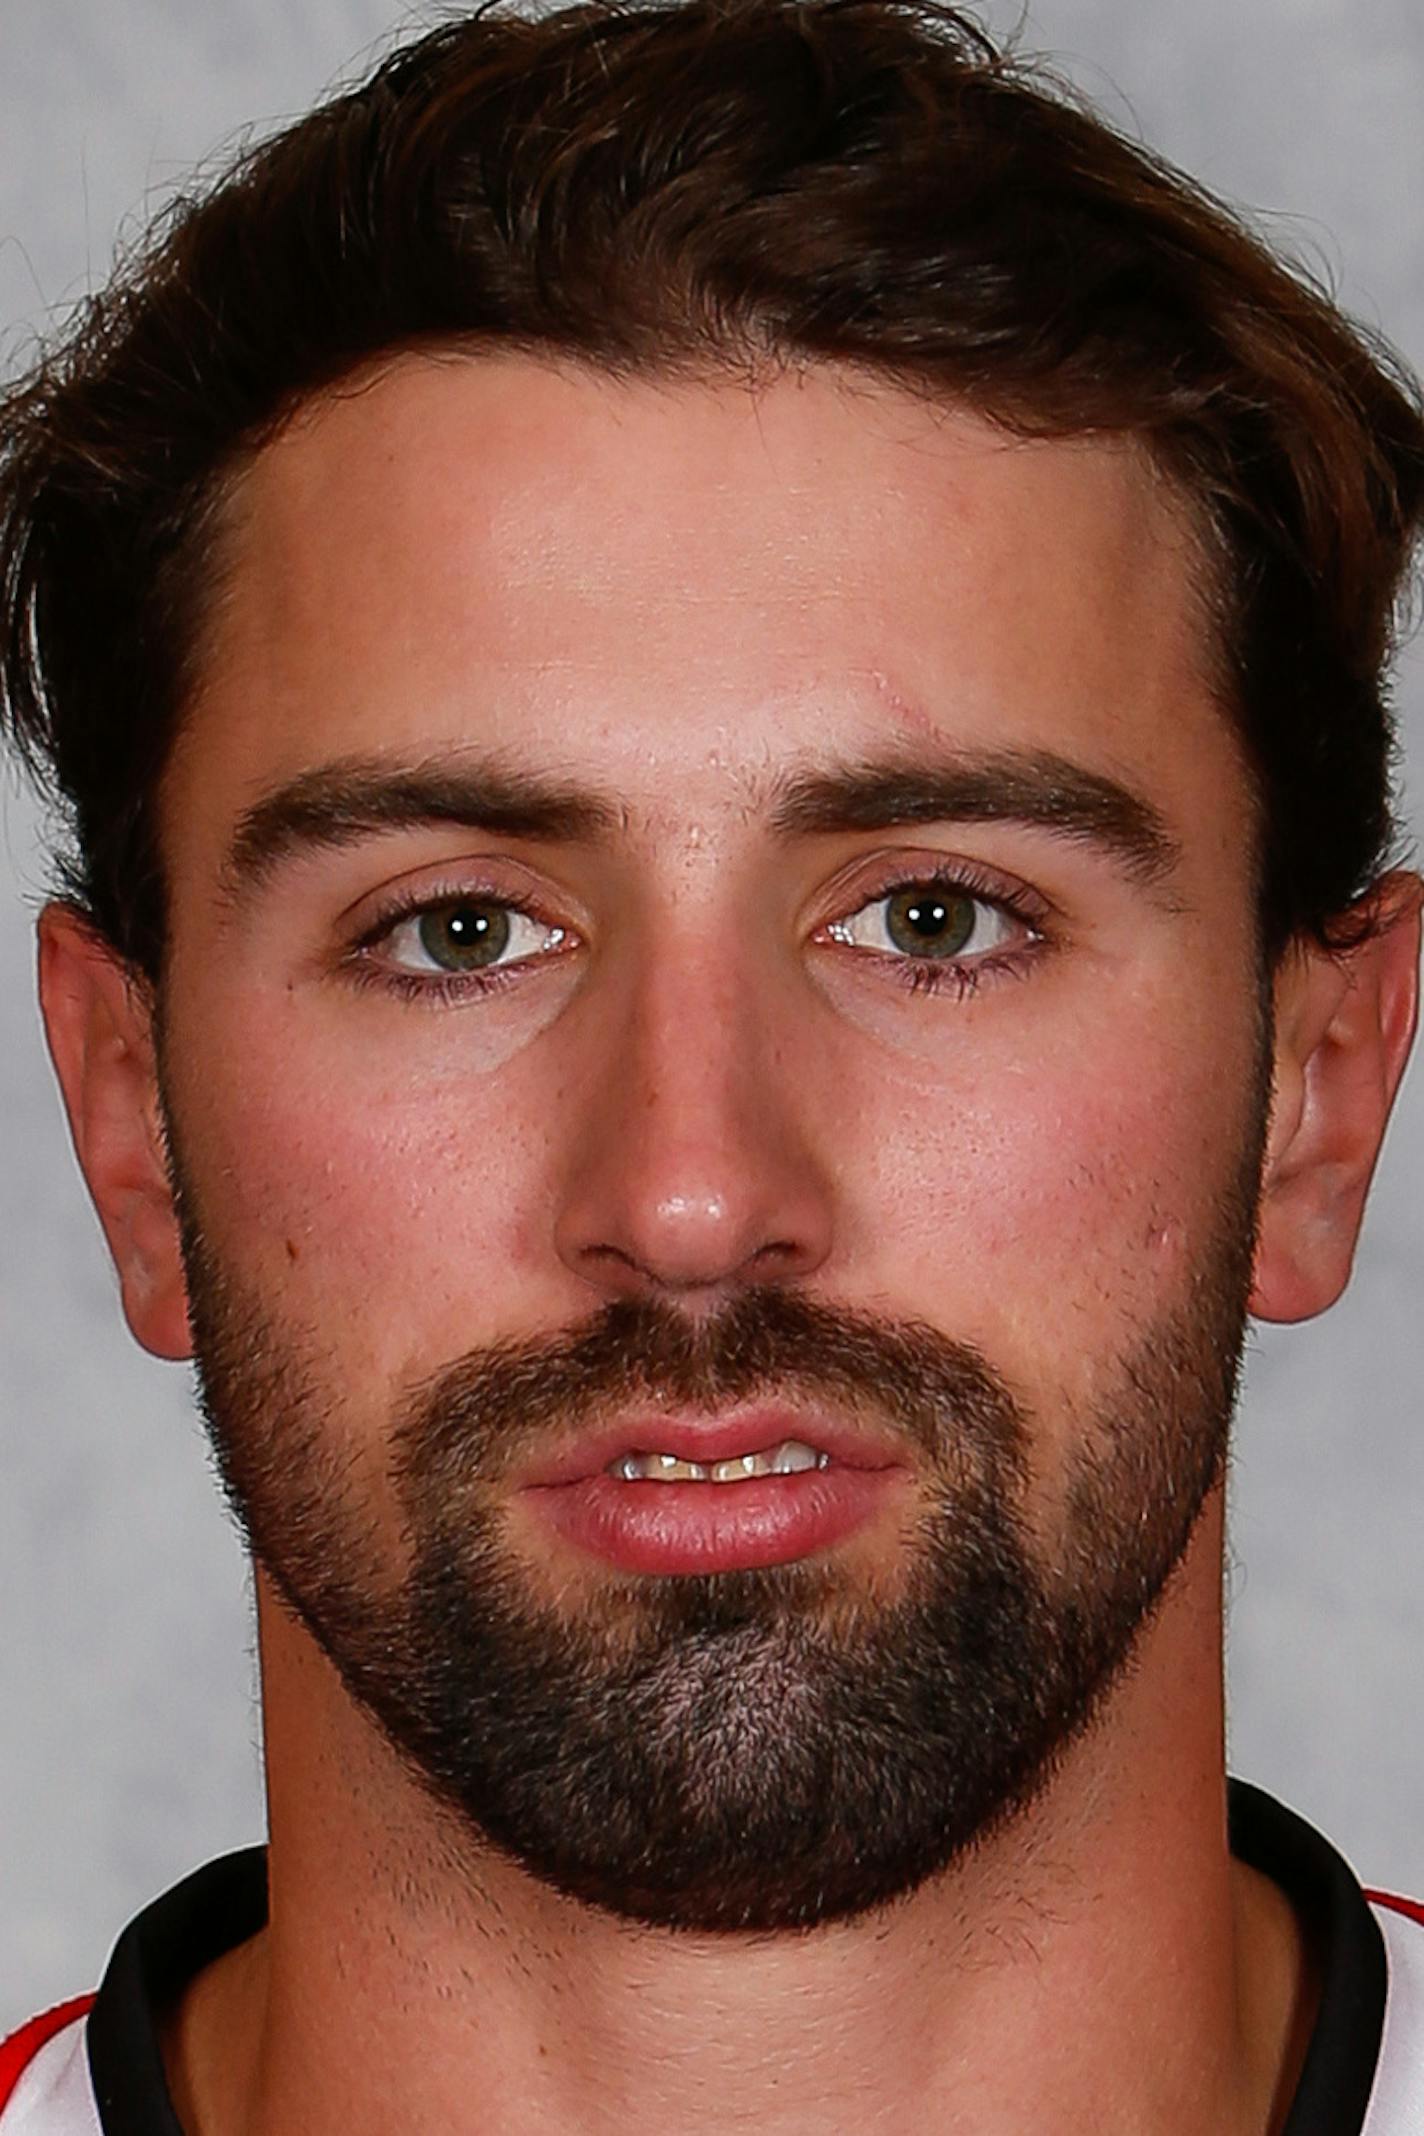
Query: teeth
{"points": [[787, 1459], [670, 1470], [742, 1465]]}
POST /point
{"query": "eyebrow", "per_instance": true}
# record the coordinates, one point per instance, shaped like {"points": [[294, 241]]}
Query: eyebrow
{"points": [[1032, 787], [341, 803]]}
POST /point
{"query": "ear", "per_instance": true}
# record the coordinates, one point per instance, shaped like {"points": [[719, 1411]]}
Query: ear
{"points": [[1344, 1022], [98, 1017]]}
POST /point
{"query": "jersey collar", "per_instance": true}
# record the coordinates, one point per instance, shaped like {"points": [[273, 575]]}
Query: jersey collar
{"points": [[221, 1905]]}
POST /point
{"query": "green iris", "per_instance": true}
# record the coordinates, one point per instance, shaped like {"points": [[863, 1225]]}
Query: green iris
{"points": [[929, 923], [464, 937]]}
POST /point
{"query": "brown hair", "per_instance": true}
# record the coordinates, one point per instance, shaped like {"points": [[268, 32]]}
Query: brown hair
{"points": [[721, 182]]}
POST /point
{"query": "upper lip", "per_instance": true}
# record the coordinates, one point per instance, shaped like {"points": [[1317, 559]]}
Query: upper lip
{"points": [[706, 1439]]}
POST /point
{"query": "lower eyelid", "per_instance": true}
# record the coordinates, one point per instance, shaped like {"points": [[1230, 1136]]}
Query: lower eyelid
{"points": [[958, 977]]}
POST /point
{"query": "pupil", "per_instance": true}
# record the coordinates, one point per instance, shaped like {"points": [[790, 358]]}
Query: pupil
{"points": [[461, 938], [930, 923]]}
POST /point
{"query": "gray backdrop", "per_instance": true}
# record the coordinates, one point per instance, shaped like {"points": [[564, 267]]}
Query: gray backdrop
{"points": [[129, 1734]]}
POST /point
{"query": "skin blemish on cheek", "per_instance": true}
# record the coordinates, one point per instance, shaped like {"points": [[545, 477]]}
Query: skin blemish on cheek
{"points": [[293, 1251], [1170, 1242]]}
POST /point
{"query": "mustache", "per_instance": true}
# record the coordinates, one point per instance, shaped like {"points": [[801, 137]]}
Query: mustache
{"points": [[474, 1417]]}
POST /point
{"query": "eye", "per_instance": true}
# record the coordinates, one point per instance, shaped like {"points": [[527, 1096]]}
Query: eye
{"points": [[929, 922], [464, 934]]}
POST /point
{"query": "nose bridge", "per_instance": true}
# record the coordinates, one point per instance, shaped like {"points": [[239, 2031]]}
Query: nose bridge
{"points": [[695, 1164]]}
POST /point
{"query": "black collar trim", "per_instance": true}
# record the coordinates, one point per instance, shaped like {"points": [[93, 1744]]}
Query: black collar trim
{"points": [[161, 1950], [221, 1905], [1340, 2062]]}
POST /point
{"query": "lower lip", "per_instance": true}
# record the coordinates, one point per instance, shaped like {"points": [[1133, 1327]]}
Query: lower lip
{"points": [[670, 1528]]}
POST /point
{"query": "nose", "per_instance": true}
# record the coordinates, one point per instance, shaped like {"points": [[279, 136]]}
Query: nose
{"points": [[692, 1172]]}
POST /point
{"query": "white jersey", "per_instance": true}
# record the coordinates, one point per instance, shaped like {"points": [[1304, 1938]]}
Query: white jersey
{"points": [[54, 2092], [94, 2067]]}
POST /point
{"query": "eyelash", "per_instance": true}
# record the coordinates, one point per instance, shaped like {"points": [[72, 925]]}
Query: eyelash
{"points": [[440, 992], [917, 975], [963, 879]]}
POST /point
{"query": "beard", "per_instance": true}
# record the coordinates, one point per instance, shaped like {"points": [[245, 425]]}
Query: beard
{"points": [[753, 1750]]}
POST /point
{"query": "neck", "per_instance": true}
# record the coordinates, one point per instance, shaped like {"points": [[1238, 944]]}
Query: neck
{"points": [[1103, 1965]]}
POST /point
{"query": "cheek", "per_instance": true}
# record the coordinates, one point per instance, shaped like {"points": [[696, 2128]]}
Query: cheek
{"points": [[1050, 1204], [378, 1210]]}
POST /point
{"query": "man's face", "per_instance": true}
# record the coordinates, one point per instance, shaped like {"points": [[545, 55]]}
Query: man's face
{"points": [[705, 922]]}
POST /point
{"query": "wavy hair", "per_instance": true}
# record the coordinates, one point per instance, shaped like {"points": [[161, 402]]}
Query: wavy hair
{"points": [[716, 183]]}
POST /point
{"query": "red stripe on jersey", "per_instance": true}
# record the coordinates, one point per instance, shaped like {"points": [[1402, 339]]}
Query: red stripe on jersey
{"points": [[1414, 1908], [20, 2049]]}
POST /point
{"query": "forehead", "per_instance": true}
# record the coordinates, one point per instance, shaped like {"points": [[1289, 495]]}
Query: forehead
{"points": [[674, 581]]}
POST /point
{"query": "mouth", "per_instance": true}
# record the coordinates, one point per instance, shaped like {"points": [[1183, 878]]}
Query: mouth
{"points": [[667, 1496]]}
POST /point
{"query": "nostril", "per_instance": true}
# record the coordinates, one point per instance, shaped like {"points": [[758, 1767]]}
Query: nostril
{"points": [[670, 1276]]}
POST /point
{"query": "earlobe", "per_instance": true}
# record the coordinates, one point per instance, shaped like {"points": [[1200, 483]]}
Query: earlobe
{"points": [[99, 1025], [1344, 1022]]}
